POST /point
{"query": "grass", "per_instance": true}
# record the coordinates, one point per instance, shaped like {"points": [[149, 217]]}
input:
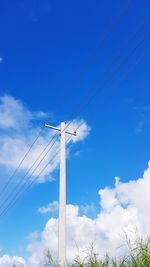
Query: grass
{"points": [[138, 256]]}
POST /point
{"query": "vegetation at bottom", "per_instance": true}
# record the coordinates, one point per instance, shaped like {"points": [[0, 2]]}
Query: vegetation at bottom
{"points": [[138, 256]]}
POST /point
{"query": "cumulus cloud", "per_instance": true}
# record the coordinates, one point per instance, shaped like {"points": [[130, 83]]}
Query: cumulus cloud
{"points": [[88, 210], [7, 261], [123, 209], [52, 208], [13, 115], [18, 131]]}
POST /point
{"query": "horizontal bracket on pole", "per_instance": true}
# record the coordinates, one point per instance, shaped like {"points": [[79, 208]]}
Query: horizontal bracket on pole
{"points": [[59, 130]]}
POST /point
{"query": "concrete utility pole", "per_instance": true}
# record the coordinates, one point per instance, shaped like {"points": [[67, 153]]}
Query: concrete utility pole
{"points": [[62, 194]]}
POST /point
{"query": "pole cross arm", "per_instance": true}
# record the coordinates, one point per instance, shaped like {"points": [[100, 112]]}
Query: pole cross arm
{"points": [[59, 130]]}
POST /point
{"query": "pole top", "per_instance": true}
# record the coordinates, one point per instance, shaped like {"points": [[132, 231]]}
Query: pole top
{"points": [[59, 130]]}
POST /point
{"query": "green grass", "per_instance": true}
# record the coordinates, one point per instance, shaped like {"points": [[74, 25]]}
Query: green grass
{"points": [[138, 256]]}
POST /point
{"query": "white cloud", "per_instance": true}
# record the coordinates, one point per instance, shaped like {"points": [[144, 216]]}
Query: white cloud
{"points": [[7, 261], [82, 132], [88, 210], [124, 209], [18, 131], [13, 115], [41, 114], [51, 207], [33, 236]]}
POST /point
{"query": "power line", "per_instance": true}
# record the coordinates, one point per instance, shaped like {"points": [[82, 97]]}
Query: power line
{"points": [[87, 103], [30, 184], [83, 69], [92, 56], [17, 187], [91, 95], [20, 193], [16, 170], [122, 80], [119, 52], [111, 92], [118, 68]]}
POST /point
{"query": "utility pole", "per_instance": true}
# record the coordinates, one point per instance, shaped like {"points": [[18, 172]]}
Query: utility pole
{"points": [[62, 193]]}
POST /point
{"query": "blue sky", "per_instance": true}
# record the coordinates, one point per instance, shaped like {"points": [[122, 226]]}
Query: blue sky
{"points": [[44, 50]]}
